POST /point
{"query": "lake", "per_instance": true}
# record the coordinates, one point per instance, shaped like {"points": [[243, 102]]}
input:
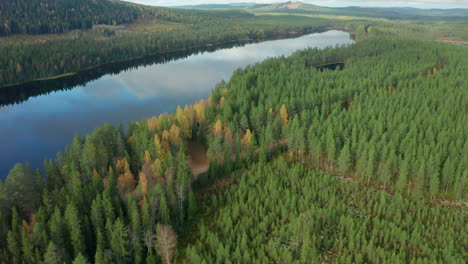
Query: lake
{"points": [[38, 119]]}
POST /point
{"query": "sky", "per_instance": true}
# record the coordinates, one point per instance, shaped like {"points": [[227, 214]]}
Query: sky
{"points": [[334, 3]]}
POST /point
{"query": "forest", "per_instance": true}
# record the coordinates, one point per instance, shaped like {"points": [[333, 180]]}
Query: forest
{"points": [[53, 38], [353, 154], [162, 30], [57, 16]]}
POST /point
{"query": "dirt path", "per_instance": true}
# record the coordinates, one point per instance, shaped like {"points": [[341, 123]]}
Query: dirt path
{"points": [[454, 41], [198, 160]]}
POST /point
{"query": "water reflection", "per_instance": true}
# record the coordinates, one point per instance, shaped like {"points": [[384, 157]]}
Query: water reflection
{"points": [[21, 92], [42, 125]]}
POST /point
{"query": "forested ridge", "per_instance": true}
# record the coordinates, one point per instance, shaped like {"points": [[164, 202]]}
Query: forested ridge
{"points": [[365, 163], [58, 16], [162, 30]]}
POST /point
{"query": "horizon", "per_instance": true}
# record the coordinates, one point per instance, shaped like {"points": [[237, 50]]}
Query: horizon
{"points": [[420, 4]]}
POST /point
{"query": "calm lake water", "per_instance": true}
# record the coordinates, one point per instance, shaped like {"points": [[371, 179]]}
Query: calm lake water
{"points": [[39, 119]]}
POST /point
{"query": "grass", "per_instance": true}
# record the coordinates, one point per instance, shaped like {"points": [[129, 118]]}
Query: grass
{"points": [[153, 26], [330, 17]]}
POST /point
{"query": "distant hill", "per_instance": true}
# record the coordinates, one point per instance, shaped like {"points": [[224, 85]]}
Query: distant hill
{"points": [[389, 13], [59, 16], [303, 8], [217, 6]]}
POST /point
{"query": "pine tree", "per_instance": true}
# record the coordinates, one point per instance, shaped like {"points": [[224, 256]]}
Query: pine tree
{"points": [[331, 147], [39, 236], [147, 216], [108, 204], [27, 247], [119, 242], [461, 181], [182, 181], [136, 233], [75, 231], [402, 181], [419, 182], [14, 246], [192, 205], [52, 255], [100, 258], [164, 211], [97, 213], [344, 161], [370, 165], [385, 174], [21, 189], [89, 157], [76, 150], [308, 250], [80, 260], [434, 185], [244, 122], [448, 171]]}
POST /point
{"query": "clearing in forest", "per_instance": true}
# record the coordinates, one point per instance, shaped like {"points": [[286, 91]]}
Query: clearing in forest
{"points": [[198, 160]]}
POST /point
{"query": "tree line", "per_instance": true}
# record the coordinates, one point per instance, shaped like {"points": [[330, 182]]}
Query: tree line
{"points": [[27, 60], [58, 16]]}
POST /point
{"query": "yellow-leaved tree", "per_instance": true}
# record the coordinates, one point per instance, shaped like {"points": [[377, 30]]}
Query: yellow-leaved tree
{"points": [[218, 128], [174, 135], [200, 111], [284, 114], [183, 122], [143, 182], [246, 140]]}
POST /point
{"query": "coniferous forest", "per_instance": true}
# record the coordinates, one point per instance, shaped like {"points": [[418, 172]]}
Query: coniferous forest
{"points": [[109, 34], [55, 16], [352, 154]]}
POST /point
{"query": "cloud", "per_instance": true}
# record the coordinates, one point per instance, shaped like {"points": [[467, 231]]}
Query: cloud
{"points": [[334, 3]]}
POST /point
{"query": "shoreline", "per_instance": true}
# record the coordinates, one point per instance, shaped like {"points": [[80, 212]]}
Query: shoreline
{"points": [[217, 44]]}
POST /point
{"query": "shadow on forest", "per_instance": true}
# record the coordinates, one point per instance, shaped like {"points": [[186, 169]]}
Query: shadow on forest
{"points": [[331, 66]]}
